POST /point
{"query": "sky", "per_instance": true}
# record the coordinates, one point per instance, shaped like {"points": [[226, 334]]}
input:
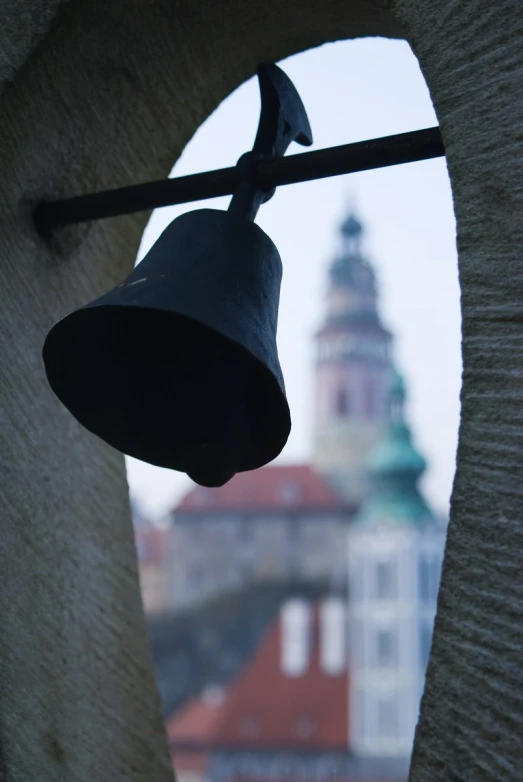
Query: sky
{"points": [[352, 90]]}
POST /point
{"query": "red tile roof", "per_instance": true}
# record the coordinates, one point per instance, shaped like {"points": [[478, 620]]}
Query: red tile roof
{"points": [[196, 762], [298, 487], [265, 708], [197, 720]]}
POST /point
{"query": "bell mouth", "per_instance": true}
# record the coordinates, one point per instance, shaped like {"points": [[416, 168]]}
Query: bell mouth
{"points": [[155, 385]]}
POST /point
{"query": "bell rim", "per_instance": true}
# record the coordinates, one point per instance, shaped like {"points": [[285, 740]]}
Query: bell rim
{"points": [[49, 348]]}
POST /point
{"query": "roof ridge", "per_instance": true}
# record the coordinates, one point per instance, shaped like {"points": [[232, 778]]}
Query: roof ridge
{"points": [[275, 487]]}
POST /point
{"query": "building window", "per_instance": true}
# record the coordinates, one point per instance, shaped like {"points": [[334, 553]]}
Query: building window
{"points": [[356, 644], [248, 767], [305, 727], [356, 575], [197, 576], [341, 402], [293, 547], [386, 648], [287, 766], [387, 717], [296, 637], [249, 727], [385, 580], [359, 715], [429, 573], [331, 767], [245, 532], [424, 586], [369, 397], [425, 643], [333, 628]]}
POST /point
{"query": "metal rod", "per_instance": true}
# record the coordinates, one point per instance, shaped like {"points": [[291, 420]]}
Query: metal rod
{"points": [[333, 161], [351, 158]]}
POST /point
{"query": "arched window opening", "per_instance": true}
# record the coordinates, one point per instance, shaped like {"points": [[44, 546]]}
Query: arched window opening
{"points": [[352, 343]]}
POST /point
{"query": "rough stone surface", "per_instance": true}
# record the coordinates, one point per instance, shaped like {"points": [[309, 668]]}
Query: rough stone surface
{"points": [[23, 24], [108, 96], [472, 715]]}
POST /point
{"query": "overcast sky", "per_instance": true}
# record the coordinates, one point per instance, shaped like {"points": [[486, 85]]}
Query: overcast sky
{"points": [[352, 91]]}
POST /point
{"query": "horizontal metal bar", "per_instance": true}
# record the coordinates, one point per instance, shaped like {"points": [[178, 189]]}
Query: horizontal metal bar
{"points": [[351, 158], [333, 161]]}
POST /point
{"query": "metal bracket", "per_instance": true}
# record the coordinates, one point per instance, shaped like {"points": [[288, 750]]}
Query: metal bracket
{"points": [[283, 119], [252, 182]]}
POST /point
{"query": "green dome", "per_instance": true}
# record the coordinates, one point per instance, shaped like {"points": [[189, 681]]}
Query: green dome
{"points": [[393, 469], [395, 454]]}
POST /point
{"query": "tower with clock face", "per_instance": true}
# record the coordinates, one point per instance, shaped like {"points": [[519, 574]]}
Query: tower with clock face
{"points": [[353, 366]]}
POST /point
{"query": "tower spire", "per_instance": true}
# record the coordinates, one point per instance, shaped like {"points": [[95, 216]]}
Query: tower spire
{"points": [[352, 283], [394, 468], [352, 366], [352, 234]]}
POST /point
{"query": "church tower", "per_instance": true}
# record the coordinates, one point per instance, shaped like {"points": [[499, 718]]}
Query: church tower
{"points": [[352, 368]]}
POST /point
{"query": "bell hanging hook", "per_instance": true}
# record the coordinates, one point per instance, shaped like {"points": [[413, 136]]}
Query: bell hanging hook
{"points": [[283, 119]]}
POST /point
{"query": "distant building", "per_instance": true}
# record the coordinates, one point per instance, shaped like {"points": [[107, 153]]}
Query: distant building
{"points": [[286, 717], [395, 556], [353, 366], [291, 521], [272, 524], [153, 547], [355, 518]]}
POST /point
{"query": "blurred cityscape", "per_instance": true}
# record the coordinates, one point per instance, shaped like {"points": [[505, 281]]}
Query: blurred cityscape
{"points": [[291, 611]]}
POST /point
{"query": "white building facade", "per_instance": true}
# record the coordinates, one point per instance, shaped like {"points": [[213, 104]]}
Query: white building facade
{"points": [[395, 551]]}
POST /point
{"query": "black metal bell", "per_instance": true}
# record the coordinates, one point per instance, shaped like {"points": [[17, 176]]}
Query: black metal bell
{"points": [[177, 365]]}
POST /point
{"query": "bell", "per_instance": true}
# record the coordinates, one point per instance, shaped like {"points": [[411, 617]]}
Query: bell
{"points": [[177, 365]]}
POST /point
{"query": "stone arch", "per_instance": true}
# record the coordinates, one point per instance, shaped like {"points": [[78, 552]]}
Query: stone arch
{"points": [[102, 94]]}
